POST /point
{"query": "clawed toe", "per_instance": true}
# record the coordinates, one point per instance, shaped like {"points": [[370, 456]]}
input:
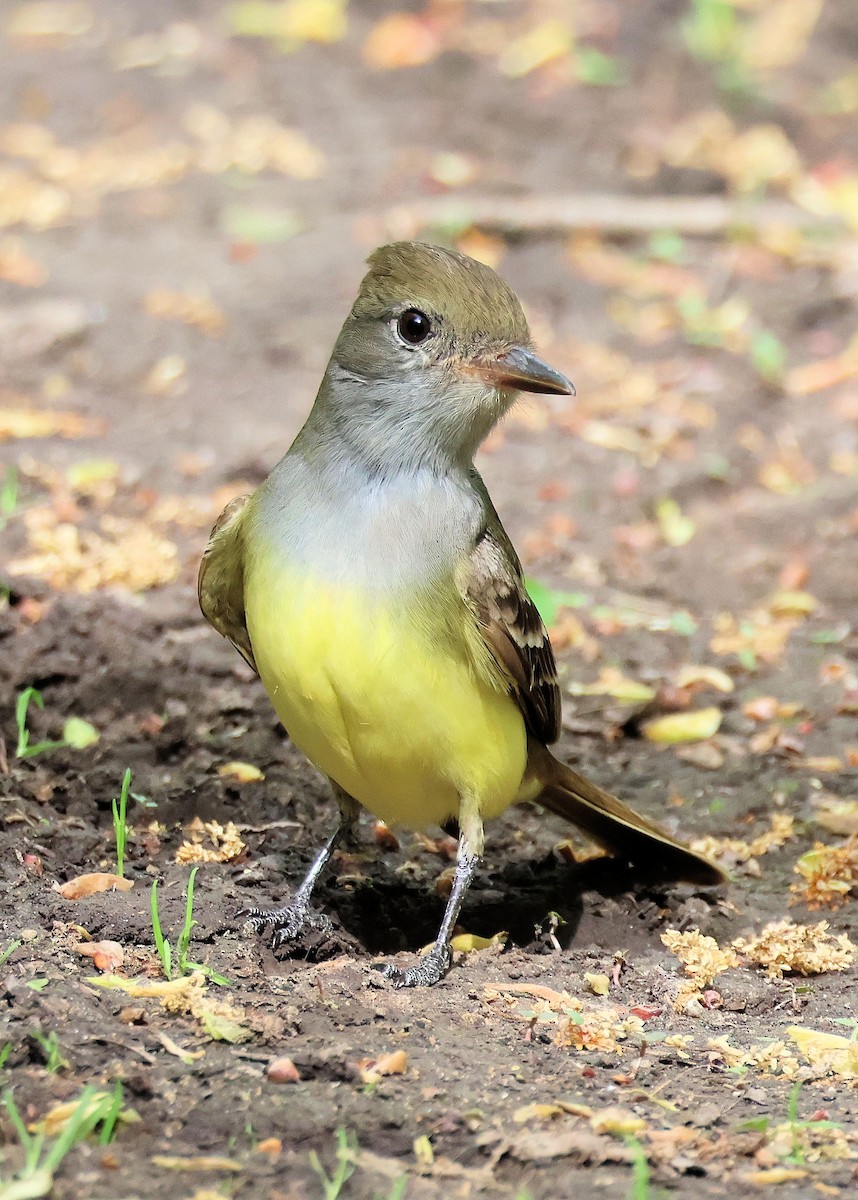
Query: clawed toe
{"points": [[287, 923], [428, 971]]}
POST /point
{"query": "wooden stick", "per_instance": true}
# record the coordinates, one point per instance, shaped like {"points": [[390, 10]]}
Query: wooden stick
{"points": [[618, 215]]}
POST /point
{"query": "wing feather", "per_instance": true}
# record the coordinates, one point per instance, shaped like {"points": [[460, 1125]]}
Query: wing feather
{"points": [[221, 580], [512, 629]]}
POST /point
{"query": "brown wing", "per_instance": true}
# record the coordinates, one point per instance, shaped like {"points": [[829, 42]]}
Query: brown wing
{"points": [[512, 629], [221, 581]]}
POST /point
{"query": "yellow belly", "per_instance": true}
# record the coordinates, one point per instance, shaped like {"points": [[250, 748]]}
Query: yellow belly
{"points": [[382, 701]]}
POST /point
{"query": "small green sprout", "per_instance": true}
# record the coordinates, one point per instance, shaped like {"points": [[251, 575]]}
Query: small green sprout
{"points": [[180, 961], [42, 1157], [332, 1185], [120, 825]]}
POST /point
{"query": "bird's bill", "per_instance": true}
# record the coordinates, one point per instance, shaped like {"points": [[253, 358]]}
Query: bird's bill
{"points": [[519, 369]]}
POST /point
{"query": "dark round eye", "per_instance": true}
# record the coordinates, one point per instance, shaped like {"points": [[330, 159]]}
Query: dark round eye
{"points": [[413, 326]]}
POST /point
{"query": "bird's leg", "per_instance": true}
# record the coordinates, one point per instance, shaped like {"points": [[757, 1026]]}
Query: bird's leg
{"points": [[435, 965], [298, 917]]}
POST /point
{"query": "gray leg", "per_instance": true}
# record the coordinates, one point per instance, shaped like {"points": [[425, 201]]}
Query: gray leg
{"points": [[435, 965], [298, 917]]}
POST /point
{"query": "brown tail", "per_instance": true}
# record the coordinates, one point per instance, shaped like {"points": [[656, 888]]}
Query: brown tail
{"points": [[613, 825]]}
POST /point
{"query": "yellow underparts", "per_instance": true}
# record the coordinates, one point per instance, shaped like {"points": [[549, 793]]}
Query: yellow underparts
{"points": [[388, 703]]}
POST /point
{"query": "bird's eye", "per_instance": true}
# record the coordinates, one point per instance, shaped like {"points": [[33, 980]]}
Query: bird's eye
{"points": [[413, 326]]}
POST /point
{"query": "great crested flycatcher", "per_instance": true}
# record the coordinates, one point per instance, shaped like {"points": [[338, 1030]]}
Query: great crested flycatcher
{"points": [[371, 585]]}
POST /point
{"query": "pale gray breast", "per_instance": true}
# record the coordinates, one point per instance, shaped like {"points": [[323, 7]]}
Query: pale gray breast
{"points": [[386, 535]]}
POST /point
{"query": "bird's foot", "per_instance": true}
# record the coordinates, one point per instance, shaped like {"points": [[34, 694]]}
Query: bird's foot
{"points": [[288, 923], [428, 971]]}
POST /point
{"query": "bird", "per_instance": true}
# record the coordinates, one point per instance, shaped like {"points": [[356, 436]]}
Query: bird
{"points": [[371, 585]]}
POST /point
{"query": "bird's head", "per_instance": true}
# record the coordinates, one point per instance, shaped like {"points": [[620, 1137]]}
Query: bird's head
{"points": [[433, 352]]}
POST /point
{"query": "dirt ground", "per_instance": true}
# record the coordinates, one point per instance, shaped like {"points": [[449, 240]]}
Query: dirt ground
{"points": [[172, 276]]}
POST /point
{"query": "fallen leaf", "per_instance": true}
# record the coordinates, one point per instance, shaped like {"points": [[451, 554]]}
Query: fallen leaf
{"points": [[158, 989], [829, 873], [290, 21], [774, 1175], [704, 676], [792, 604], [612, 682], [107, 956], [694, 726], [599, 985], [465, 943], [187, 1056], [676, 529], [827, 1051], [42, 423], [49, 20], [57, 1118], [778, 35], [547, 41], [373, 1070], [783, 947], [189, 308], [242, 772], [282, 1070], [617, 1121], [201, 1163], [88, 885], [226, 843], [79, 734], [400, 40], [837, 815]]}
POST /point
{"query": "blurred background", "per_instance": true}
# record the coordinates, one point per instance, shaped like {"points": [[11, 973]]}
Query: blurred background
{"points": [[188, 192]]}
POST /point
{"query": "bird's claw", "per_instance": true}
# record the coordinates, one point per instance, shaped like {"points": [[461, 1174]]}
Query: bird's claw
{"points": [[428, 971], [288, 923]]}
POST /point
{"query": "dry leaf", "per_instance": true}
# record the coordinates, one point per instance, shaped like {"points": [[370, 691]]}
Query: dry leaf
{"points": [[88, 885], [282, 1070], [694, 726], [837, 815], [42, 423], [547, 41], [702, 958], [401, 40], [793, 604], [803, 949], [827, 1051], [124, 553], [241, 772], [189, 308], [599, 985], [704, 676], [158, 989], [465, 943], [779, 34], [201, 1163], [226, 843], [58, 1117], [373, 1070], [774, 1175], [107, 956], [49, 20], [676, 529], [829, 874]]}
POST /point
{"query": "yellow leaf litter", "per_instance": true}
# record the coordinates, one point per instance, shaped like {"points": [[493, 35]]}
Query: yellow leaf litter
{"points": [[226, 844], [782, 946], [187, 995], [779, 832], [829, 873], [123, 553]]}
